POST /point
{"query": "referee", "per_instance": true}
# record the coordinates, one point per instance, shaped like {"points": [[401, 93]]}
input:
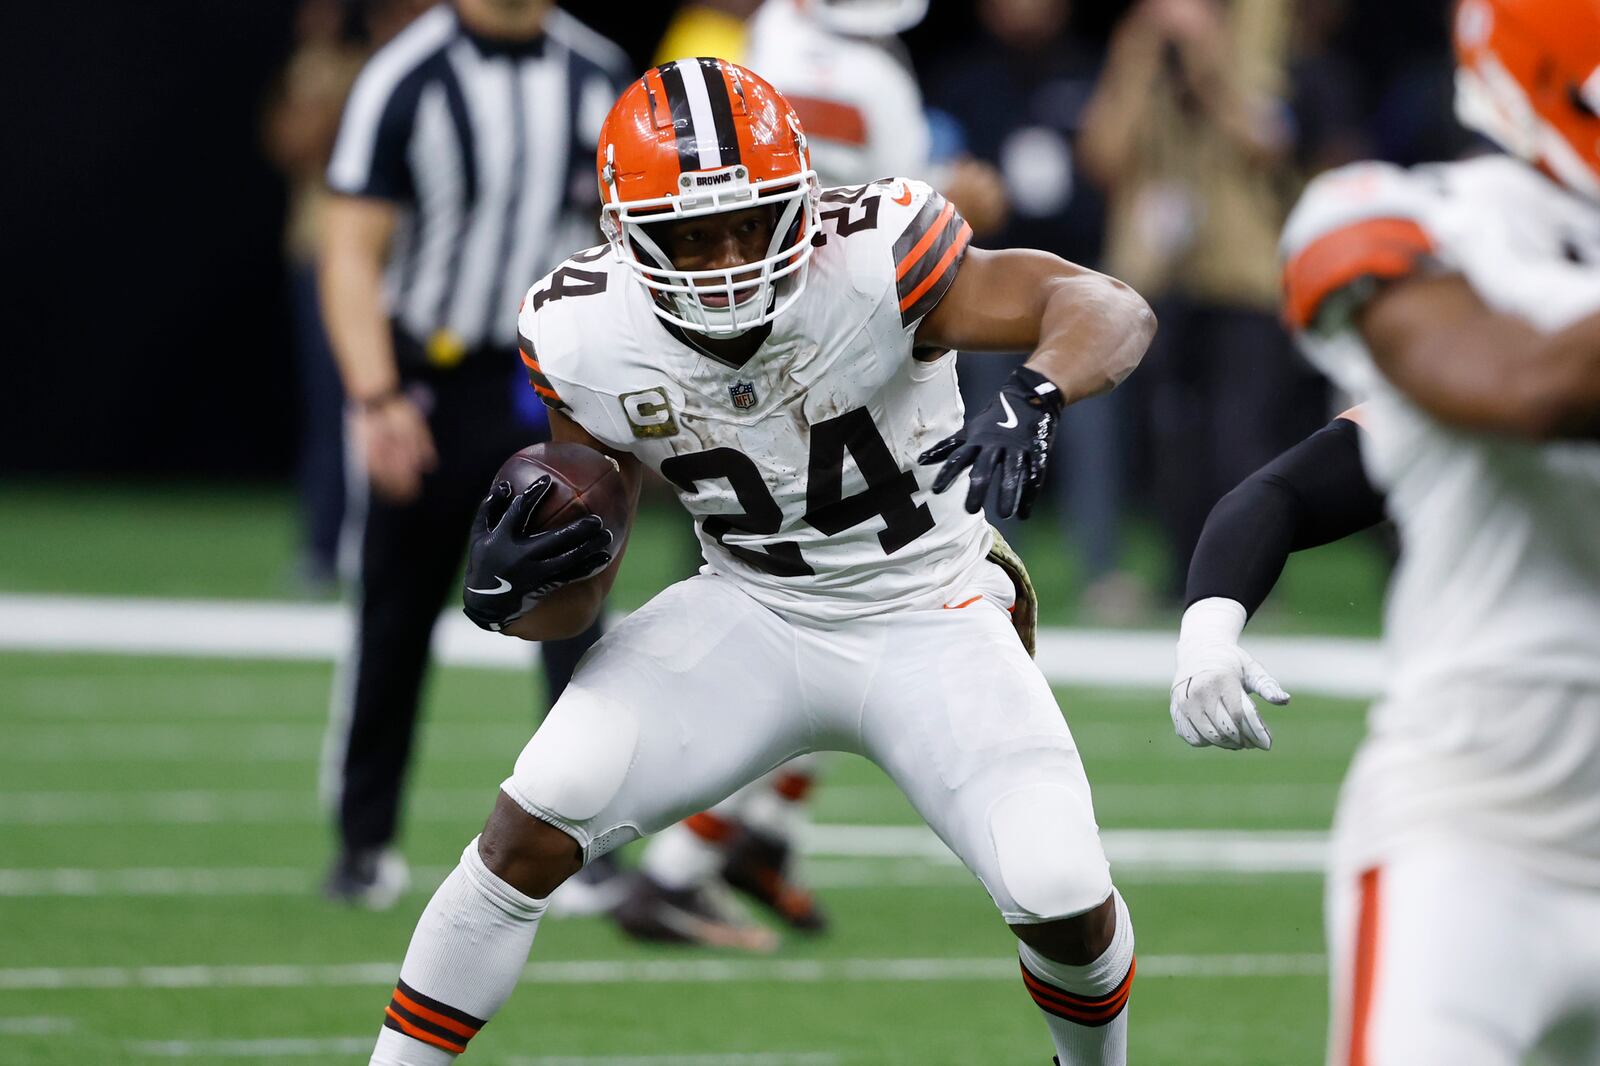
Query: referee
{"points": [[464, 156]]}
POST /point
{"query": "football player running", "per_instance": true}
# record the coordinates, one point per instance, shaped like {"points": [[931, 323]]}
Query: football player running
{"points": [[780, 354], [840, 66], [1461, 302]]}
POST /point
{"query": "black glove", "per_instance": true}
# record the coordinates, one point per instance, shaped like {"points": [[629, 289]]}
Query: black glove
{"points": [[1011, 436], [509, 569]]}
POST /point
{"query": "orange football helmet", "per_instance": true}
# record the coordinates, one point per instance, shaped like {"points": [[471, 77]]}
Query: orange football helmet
{"points": [[699, 137], [1528, 76]]}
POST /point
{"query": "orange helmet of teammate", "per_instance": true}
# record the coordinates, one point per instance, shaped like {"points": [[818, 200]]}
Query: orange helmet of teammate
{"points": [[700, 137], [1528, 76]]}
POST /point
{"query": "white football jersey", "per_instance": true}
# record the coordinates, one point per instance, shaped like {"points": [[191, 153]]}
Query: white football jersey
{"points": [[1493, 616], [799, 467], [858, 103]]}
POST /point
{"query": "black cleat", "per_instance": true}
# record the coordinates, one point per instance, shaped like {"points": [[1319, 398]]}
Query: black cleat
{"points": [[757, 865], [687, 916], [374, 878]]}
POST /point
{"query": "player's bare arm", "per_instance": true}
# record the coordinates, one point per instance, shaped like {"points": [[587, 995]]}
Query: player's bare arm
{"points": [[562, 560], [1480, 369], [1086, 331], [391, 433]]}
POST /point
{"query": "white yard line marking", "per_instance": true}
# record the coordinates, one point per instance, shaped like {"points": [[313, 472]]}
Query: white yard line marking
{"points": [[290, 807], [306, 1047], [319, 632], [41, 1026], [915, 856], [642, 971], [273, 1048], [757, 1058]]}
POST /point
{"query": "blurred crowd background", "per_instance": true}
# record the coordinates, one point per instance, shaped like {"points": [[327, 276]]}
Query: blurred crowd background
{"points": [[162, 199]]}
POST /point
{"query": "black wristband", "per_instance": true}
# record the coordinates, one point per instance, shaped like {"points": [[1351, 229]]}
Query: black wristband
{"points": [[1040, 390]]}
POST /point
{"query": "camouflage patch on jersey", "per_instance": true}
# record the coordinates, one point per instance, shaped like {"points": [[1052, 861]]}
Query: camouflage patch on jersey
{"points": [[927, 256], [1025, 612], [541, 384], [649, 413]]}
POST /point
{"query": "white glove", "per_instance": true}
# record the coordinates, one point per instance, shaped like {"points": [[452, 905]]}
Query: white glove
{"points": [[1211, 691]]}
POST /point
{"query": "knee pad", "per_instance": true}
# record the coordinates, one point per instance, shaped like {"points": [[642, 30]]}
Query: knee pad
{"points": [[1048, 854], [577, 761]]}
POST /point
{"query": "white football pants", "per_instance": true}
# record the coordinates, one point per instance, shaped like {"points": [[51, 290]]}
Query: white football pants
{"points": [[703, 690]]}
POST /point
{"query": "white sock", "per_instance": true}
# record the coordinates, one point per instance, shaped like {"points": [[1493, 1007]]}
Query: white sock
{"points": [[680, 857], [1086, 1006], [465, 957]]}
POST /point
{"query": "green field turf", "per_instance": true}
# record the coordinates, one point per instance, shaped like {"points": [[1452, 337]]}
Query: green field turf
{"points": [[202, 775]]}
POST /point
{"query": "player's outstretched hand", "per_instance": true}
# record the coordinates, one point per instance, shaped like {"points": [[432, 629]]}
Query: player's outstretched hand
{"points": [[1211, 691], [1011, 438], [510, 569]]}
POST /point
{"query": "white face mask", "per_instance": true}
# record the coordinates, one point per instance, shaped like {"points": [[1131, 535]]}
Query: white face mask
{"points": [[747, 296]]}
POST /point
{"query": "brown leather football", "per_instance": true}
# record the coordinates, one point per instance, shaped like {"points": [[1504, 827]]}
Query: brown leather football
{"points": [[582, 482]]}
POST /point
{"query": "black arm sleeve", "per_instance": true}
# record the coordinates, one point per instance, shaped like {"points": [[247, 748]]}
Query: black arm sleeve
{"points": [[1314, 493]]}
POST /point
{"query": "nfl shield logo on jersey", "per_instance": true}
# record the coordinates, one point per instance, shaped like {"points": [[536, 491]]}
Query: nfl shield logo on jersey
{"points": [[743, 394]]}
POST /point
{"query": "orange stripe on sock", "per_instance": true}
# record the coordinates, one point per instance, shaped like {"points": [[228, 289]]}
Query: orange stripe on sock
{"points": [[941, 268], [422, 1034], [708, 826], [919, 249], [465, 1031], [1366, 967], [1081, 1008], [529, 361]]}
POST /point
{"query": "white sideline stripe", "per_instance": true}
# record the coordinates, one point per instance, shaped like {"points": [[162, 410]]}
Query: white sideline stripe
{"points": [[1333, 666], [641, 971], [1147, 850]]}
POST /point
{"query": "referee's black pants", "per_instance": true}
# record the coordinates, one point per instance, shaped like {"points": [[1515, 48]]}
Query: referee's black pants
{"points": [[411, 556]]}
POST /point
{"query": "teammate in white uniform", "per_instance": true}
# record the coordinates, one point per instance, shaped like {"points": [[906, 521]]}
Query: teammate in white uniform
{"points": [[1461, 302], [858, 101], [780, 354]]}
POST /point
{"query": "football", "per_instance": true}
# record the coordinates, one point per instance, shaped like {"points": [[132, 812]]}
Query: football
{"points": [[583, 481]]}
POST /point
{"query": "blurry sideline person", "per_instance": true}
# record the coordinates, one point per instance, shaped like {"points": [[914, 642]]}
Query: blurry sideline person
{"points": [[1019, 93], [301, 122], [1461, 303], [454, 173], [706, 28], [842, 68], [1191, 134], [800, 392]]}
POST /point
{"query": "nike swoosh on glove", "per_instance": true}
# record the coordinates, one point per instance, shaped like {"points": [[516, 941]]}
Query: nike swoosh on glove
{"points": [[1211, 690], [1010, 437], [509, 570]]}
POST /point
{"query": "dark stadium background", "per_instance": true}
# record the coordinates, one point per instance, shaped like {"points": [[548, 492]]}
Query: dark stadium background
{"points": [[146, 329]]}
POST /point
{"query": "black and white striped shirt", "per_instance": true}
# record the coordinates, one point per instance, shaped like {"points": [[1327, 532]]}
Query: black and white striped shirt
{"points": [[488, 148]]}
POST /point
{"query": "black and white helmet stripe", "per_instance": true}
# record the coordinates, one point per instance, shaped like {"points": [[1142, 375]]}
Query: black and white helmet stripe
{"points": [[702, 114]]}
